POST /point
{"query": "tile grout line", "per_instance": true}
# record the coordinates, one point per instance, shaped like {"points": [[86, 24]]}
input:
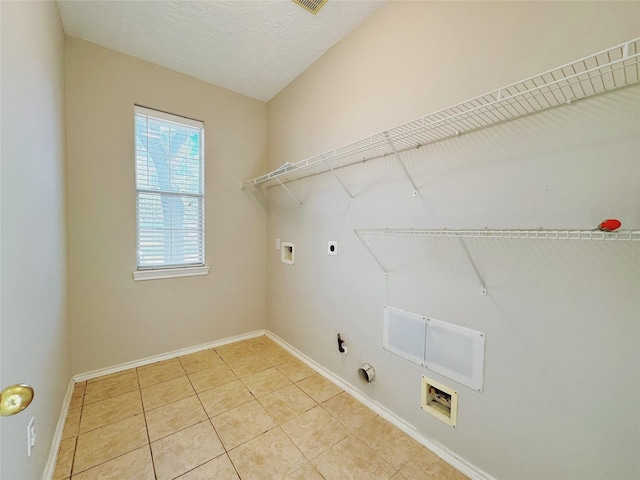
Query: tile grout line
{"points": [[110, 459], [254, 399], [206, 414], [144, 413], [277, 425], [226, 452], [82, 406], [112, 423], [309, 460], [348, 431], [75, 446], [294, 443], [73, 457]]}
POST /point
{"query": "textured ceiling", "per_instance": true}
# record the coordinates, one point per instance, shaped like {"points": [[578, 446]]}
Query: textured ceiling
{"points": [[251, 47]]}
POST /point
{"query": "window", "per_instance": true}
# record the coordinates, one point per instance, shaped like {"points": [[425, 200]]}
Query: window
{"points": [[170, 193]]}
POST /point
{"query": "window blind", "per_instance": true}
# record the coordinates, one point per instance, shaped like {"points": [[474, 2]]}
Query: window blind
{"points": [[170, 190]]}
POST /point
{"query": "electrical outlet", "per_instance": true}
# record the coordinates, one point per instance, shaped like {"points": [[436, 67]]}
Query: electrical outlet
{"points": [[277, 244], [31, 435], [332, 248]]}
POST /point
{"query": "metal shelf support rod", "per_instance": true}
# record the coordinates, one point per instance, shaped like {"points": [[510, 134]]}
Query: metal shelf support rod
{"points": [[483, 286], [406, 172], [339, 181], [372, 254], [289, 192]]}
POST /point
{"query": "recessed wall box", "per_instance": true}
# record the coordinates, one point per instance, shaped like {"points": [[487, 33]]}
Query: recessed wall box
{"points": [[440, 401], [287, 253]]}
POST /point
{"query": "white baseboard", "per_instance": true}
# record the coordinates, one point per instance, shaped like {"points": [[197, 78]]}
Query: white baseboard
{"points": [[437, 448], [164, 356], [50, 467]]}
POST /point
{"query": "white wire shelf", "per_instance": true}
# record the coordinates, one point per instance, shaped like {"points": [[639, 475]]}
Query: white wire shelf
{"points": [[540, 234], [601, 72], [631, 235]]}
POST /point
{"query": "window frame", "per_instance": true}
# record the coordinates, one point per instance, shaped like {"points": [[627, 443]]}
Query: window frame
{"points": [[179, 270]]}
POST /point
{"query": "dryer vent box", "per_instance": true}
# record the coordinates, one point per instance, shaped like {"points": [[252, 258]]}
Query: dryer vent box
{"points": [[287, 252]]}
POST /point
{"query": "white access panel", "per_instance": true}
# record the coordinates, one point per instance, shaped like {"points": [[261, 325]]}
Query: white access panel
{"points": [[404, 333], [455, 352]]}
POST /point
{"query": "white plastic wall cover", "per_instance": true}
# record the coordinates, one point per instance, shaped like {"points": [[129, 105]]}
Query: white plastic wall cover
{"points": [[450, 350], [455, 352], [404, 334]]}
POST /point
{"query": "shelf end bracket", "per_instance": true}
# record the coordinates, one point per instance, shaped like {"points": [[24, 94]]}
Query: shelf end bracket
{"points": [[406, 172], [483, 286], [384, 270], [289, 192], [339, 181]]}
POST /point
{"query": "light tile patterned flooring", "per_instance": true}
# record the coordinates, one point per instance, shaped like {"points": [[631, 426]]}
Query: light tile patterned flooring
{"points": [[248, 410]]}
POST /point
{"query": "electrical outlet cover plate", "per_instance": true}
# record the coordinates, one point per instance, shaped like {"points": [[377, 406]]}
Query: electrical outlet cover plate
{"points": [[31, 435], [332, 248]]}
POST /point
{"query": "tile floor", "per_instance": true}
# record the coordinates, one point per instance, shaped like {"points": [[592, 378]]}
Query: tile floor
{"points": [[247, 410]]}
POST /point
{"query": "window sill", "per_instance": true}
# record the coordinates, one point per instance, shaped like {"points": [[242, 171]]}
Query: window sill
{"points": [[169, 273]]}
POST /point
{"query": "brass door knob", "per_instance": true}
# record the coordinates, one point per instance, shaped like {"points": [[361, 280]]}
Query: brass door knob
{"points": [[15, 398]]}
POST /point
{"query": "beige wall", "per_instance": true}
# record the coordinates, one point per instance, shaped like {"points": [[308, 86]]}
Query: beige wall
{"points": [[560, 317], [113, 318], [35, 329]]}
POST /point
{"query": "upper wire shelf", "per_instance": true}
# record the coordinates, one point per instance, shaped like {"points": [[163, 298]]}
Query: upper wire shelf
{"points": [[601, 72]]}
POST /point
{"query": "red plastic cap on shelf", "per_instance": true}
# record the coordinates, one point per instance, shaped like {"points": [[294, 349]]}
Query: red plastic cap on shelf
{"points": [[610, 225]]}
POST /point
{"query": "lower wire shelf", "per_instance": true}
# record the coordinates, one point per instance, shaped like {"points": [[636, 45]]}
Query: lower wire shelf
{"points": [[539, 234]]}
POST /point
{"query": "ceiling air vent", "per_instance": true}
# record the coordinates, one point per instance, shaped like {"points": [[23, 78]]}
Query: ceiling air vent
{"points": [[312, 5]]}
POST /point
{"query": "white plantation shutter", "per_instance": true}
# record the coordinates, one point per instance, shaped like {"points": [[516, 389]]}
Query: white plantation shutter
{"points": [[170, 190]]}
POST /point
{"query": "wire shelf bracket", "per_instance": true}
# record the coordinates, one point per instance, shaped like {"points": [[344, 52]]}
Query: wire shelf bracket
{"points": [[289, 192], [384, 270], [404, 168], [601, 72], [344, 187], [540, 234], [483, 286]]}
